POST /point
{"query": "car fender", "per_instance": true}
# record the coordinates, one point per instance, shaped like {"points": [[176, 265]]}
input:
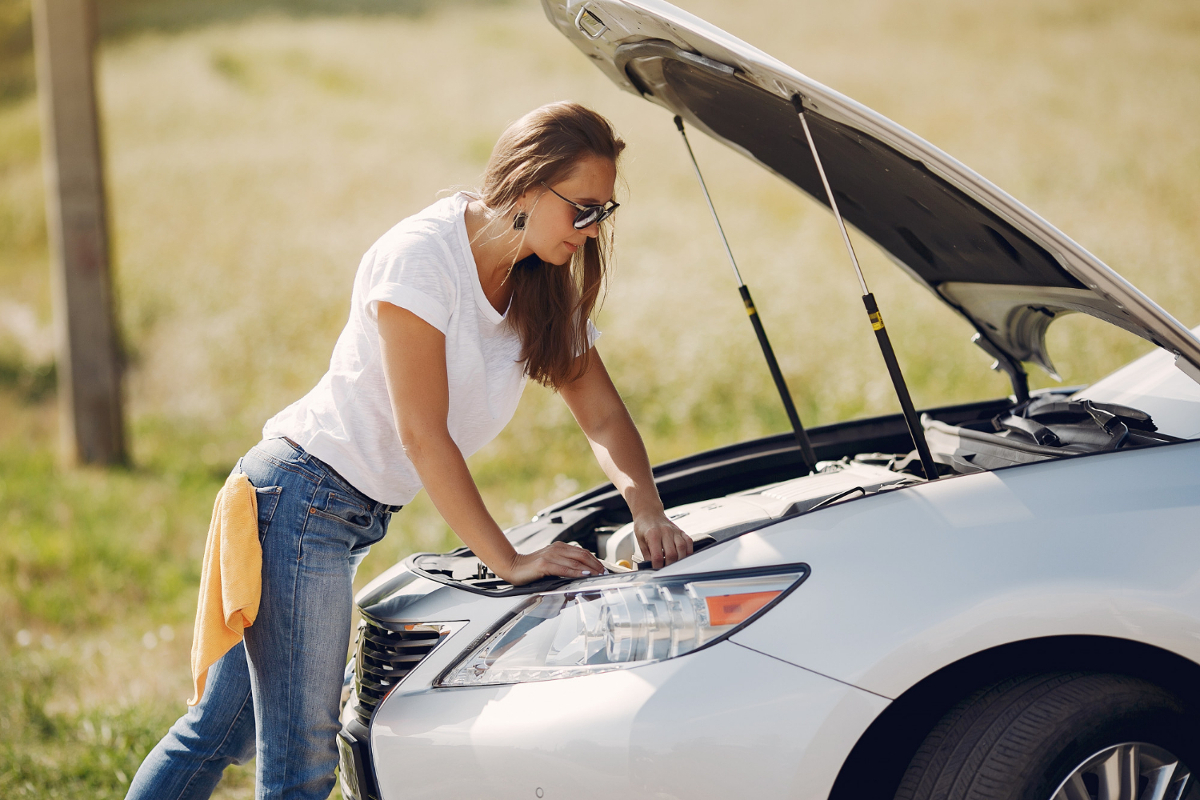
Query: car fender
{"points": [[906, 582]]}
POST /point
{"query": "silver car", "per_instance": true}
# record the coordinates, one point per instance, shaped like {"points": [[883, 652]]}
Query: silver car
{"points": [[997, 599]]}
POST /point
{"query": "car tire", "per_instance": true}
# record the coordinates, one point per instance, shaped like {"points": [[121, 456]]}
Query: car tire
{"points": [[1021, 738]]}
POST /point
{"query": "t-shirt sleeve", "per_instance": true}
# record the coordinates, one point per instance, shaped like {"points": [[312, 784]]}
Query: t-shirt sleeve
{"points": [[416, 274], [593, 333]]}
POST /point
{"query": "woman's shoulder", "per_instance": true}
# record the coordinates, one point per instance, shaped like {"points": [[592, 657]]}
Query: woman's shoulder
{"points": [[435, 223], [421, 245]]}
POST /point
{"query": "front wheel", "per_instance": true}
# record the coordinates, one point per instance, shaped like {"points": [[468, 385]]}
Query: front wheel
{"points": [[1059, 736], [1134, 770]]}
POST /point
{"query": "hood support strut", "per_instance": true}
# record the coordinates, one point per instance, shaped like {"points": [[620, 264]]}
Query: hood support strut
{"points": [[881, 334], [806, 450]]}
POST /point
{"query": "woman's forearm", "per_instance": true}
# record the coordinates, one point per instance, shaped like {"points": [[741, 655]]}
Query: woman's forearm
{"points": [[621, 453], [601, 414], [445, 476], [444, 473]]}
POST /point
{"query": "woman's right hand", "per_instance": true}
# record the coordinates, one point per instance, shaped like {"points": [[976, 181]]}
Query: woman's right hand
{"points": [[559, 559]]}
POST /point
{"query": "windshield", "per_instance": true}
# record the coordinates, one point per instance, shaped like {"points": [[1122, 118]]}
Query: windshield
{"points": [[1155, 385]]}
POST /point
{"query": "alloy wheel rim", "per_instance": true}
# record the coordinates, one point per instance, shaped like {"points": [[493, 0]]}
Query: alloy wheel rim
{"points": [[1129, 771]]}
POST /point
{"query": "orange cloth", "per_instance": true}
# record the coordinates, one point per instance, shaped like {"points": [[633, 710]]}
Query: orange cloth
{"points": [[230, 578]]}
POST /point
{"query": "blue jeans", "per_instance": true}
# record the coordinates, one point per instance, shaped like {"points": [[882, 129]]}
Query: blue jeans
{"points": [[284, 683]]}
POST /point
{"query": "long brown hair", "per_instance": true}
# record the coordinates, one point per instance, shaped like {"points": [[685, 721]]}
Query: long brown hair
{"points": [[551, 305]]}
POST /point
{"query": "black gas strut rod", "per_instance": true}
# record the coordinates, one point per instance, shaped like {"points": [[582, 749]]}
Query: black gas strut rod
{"points": [[806, 451], [881, 334]]}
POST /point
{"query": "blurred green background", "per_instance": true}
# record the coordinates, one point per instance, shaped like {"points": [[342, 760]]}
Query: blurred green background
{"points": [[255, 149]]}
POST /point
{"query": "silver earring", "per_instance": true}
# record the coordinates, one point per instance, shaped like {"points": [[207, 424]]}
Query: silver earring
{"points": [[519, 221]]}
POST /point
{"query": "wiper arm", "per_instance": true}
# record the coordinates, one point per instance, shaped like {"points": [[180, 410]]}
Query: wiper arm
{"points": [[881, 334], [806, 451]]}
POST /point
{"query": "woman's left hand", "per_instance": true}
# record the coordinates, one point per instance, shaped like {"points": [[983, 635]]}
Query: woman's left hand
{"points": [[660, 540]]}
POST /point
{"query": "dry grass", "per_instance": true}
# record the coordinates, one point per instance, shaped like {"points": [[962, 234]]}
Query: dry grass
{"points": [[252, 161]]}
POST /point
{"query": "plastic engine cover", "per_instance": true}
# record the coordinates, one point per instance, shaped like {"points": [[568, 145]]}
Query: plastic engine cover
{"points": [[725, 517]]}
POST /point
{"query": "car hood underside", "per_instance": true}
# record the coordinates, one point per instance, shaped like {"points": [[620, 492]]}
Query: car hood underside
{"points": [[1009, 272]]}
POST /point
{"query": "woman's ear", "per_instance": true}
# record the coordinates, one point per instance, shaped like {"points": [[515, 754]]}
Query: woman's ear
{"points": [[529, 199]]}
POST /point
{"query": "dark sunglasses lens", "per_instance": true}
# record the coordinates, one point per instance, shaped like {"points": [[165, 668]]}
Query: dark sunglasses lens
{"points": [[592, 215], [589, 216]]}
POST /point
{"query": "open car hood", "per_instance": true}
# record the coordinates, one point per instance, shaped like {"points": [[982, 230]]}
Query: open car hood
{"points": [[1000, 265]]}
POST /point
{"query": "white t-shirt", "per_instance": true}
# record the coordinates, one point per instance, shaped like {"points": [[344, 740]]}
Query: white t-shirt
{"points": [[424, 264]]}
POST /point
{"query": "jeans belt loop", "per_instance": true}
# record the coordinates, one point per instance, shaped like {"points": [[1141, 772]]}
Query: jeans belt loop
{"points": [[303, 455]]}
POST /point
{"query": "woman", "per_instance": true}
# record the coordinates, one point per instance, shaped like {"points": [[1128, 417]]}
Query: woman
{"points": [[451, 311]]}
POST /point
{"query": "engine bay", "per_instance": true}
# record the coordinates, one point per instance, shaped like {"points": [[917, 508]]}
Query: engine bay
{"points": [[1047, 426], [708, 522]]}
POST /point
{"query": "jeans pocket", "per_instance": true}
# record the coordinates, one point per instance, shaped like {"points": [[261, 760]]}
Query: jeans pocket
{"points": [[268, 500], [342, 508]]}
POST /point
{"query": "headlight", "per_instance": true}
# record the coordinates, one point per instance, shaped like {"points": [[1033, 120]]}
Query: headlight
{"points": [[625, 621]]}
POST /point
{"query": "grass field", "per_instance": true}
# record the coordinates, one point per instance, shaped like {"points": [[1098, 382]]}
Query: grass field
{"points": [[255, 150]]}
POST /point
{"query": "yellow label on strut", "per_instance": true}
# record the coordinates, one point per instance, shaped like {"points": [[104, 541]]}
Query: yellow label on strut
{"points": [[877, 321]]}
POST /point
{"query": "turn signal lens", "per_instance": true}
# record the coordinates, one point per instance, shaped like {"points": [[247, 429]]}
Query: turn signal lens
{"points": [[618, 622], [731, 609]]}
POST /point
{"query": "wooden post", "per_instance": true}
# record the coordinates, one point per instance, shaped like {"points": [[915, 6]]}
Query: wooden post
{"points": [[89, 369]]}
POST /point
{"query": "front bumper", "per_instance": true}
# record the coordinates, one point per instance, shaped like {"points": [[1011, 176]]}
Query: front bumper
{"points": [[722, 722], [355, 773]]}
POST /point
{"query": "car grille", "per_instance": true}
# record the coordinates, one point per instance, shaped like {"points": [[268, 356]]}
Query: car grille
{"points": [[386, 653]]}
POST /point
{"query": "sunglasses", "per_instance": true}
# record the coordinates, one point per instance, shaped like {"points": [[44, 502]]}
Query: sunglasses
{"points": [[588, 215]]}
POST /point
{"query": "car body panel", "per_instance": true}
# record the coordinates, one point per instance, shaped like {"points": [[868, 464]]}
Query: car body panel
{"points": [[629, 734], [911, 581], [417, 599], [1153, 385], [1003, 267]]}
